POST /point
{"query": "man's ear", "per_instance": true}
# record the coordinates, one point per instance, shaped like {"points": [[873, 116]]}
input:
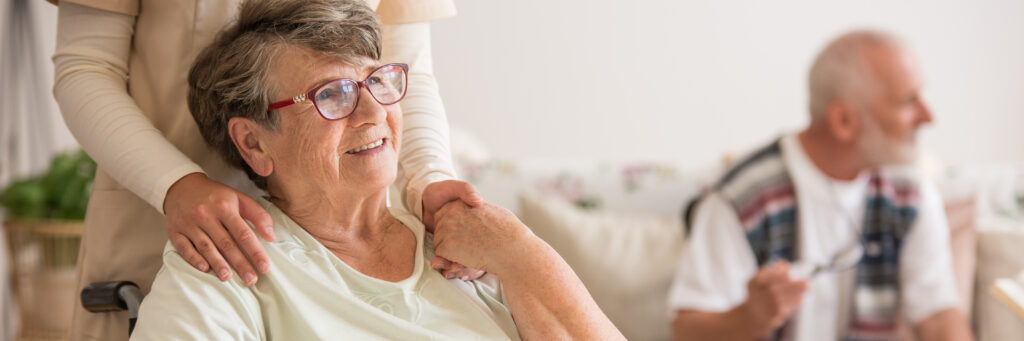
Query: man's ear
{"points": [[247, 136], [843, 122]]}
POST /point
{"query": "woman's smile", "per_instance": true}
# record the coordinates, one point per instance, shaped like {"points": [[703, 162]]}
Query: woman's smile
{"points": [[369, 149]]}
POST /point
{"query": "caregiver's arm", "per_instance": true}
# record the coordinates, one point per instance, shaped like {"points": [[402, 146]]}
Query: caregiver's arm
{"points": [[548, 301], [425, 173], [425, 154], [90, 85]]}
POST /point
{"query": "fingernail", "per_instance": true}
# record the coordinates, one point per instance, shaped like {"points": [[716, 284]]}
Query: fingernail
{"points": [[465, 278], [224, 274], [449, 276], [203, 267], [263, 266], [250, 279]]}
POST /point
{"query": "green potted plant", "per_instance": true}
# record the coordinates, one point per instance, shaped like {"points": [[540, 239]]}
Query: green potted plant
{"points": [[44, 229], [49, 208]]}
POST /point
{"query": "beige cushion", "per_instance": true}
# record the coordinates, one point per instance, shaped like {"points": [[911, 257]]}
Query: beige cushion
{"points": [[627, 263]]}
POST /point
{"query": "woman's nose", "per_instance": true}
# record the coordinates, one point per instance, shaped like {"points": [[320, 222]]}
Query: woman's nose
{"points": [[368, 110]]}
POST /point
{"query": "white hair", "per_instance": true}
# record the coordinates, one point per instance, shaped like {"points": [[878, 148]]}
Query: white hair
{"points": [[841, 72]]}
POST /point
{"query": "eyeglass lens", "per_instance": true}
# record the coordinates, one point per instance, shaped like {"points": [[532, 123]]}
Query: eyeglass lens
{"points": [[338, 99]]}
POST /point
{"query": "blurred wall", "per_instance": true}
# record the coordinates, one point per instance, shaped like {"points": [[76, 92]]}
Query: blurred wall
{"points": [[690, 80], [16, 159], [19, 159]]}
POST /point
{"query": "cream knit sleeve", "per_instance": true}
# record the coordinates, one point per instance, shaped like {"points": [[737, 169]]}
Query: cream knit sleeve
{"points": [[425, 155], [90, 85]]}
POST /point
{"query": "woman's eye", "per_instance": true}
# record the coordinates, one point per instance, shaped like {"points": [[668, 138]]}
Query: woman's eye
{"points": [[325, 94], [372, 80]]}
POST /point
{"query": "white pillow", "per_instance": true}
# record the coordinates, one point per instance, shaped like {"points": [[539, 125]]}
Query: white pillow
{"points": [[627, 263]]}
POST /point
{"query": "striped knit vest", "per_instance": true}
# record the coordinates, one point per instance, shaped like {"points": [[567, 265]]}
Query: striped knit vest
{"points": [[761, 191]]}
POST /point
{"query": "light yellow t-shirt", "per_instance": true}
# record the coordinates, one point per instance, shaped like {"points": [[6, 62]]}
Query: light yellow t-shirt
{"points": [[310, 294]]}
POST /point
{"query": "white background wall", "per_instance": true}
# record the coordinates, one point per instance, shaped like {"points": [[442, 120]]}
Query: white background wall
{"points": [[690, 80], [53, 140]]}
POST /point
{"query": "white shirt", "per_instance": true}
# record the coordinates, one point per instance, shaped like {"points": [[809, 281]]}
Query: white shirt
{"points": [[312, 295], [717, 261]]}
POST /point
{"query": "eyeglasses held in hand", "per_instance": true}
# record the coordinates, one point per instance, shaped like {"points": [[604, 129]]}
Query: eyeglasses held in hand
{"points": [[338, 98], [845, 259]]}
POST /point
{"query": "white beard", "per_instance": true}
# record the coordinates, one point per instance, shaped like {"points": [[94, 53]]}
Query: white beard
{"points": [[880, 150]]}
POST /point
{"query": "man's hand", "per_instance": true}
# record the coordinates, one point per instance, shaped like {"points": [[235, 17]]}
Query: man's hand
{"points": [[206, 224], [435, 196], [772, 297]]}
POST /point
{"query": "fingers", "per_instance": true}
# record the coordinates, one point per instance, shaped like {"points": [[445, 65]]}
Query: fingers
{"points": [[444, 191], [250, 210], [775, 280], [439, 263], [230, 251], [245, 238], [787, 291], [468, 194], [773, 296], [788, 297], [206, 222], [188, 252], [209, 251], [440, 193], [776, 272], [469, 274], [453, 271]]}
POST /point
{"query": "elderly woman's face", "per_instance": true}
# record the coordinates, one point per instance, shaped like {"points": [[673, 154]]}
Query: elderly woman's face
{"points": [[358, 152]]}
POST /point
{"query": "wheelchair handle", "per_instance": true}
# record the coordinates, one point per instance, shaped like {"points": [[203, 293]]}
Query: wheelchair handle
{"points": [[113, 296]]}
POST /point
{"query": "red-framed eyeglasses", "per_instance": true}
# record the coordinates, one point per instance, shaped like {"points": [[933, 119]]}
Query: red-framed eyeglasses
{"points": [[338, 98]]}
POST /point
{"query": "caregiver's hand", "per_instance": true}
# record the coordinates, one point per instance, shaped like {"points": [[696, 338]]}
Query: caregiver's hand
{"points": [[487, 237], [435, 196], [206, 224]]}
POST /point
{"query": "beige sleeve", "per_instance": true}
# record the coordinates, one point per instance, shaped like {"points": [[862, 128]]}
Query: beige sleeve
{"points": [[425, 155], [90, 73], [414, 11]]}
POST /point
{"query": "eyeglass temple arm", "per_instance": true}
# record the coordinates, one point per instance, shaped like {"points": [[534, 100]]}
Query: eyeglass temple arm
{"points": [[287, 102]]}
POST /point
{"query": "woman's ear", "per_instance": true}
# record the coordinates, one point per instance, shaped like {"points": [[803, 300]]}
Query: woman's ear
{"points": [[843, 122], [247, 136]]}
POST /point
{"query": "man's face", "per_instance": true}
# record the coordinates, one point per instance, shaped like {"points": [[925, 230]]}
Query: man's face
{"points": [[895, 109]]}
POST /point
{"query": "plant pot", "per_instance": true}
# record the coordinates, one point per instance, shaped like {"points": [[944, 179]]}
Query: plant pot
{"points": [[44, 254]]}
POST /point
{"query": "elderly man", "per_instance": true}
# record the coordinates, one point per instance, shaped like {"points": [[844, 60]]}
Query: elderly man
{"points": [[818, 236]]}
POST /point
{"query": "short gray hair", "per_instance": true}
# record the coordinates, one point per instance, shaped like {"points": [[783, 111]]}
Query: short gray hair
{"points": [[229, 77], [840, 70]]}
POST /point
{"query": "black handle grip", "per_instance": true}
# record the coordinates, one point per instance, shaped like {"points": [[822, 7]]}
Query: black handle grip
{"points": [[103, 296]]}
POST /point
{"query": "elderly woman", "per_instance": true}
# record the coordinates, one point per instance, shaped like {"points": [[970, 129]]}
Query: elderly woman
{"points": [[293, 94]]}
